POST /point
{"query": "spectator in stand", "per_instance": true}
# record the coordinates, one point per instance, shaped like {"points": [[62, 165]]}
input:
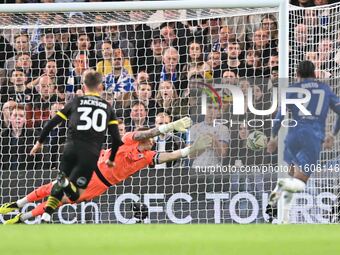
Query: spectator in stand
{"points": [[6, 112], [234, 60], [63, 38], [261, 43], [50, 70], [121, 127], [84, 47], [269, 23], [213, 65], [24, 61], [43, 101], [119, 81], [195, 63], [171, 69], [273, 61], [167, 142], [104, 66], [138, 117], [167, 100], [154, 60], [17, 90], [273, 78], [74, 81], [142, 77], [169, 36], [16, 144], [222, 44], [21, 45], [230, 77], [143, 94], [253, 63], [220, 134]]}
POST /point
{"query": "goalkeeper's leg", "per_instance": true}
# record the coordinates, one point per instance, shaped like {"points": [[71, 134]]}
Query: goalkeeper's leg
{"points": [[38, 194]]}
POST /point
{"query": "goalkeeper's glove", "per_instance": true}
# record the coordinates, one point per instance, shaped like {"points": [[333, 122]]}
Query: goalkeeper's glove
{"points": [[202, 142], [180, 125]]}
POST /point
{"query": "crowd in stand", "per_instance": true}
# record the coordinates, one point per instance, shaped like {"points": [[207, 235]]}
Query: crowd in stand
{"points": [[152, 75]]}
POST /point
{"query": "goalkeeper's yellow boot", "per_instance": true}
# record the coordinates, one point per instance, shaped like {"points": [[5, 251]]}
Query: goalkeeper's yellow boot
{"points": [[8, 207], [14, 220]]}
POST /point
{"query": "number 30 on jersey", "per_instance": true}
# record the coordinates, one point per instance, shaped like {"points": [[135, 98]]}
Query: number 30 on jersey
{"points": [[91, 117]]}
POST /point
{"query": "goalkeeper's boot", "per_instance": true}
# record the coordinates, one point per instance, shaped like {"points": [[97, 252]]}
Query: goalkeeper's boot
{"points": [[8, 207], [276, 193], [15, 220]]}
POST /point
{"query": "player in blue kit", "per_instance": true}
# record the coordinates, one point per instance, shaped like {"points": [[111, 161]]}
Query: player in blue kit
{"points": [[303, 142]]}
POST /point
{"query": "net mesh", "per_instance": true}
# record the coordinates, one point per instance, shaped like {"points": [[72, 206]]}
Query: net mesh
{"points": [[314, 37], [157, 64]]}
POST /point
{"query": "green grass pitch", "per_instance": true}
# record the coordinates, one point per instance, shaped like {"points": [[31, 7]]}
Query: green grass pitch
{"points": [[170, 239]]}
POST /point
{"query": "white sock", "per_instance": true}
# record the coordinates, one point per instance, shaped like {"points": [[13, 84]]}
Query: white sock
{"points": [[293, 185], [21, 202], [287, 200], [26, 216]]}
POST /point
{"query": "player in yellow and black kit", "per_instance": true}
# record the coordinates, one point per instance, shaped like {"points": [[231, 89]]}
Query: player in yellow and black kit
{"points": [[88, 118]]}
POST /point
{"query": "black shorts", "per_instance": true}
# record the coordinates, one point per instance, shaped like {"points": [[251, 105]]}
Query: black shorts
{"points": [[78, 162]]}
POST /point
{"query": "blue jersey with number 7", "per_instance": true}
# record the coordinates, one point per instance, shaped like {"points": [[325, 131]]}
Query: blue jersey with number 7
{"points": [[322, 98]]}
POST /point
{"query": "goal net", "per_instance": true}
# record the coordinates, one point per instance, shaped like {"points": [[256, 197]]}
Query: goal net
{"points": [[159, 66], [314, 36]]}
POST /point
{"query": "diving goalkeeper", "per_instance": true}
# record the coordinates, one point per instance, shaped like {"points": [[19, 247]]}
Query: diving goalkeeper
{"points": [[134, 155]]}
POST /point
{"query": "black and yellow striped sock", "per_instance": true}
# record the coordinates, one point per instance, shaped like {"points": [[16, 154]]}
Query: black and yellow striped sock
{"points": [[71, 191], [52, 204]]}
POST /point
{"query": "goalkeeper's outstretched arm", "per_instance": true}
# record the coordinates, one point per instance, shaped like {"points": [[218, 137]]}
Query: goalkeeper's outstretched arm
{"points": [[179, 125], [202, 142]]}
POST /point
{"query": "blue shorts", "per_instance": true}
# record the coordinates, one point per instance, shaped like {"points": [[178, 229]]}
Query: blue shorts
{"points": [[302, 148]]}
